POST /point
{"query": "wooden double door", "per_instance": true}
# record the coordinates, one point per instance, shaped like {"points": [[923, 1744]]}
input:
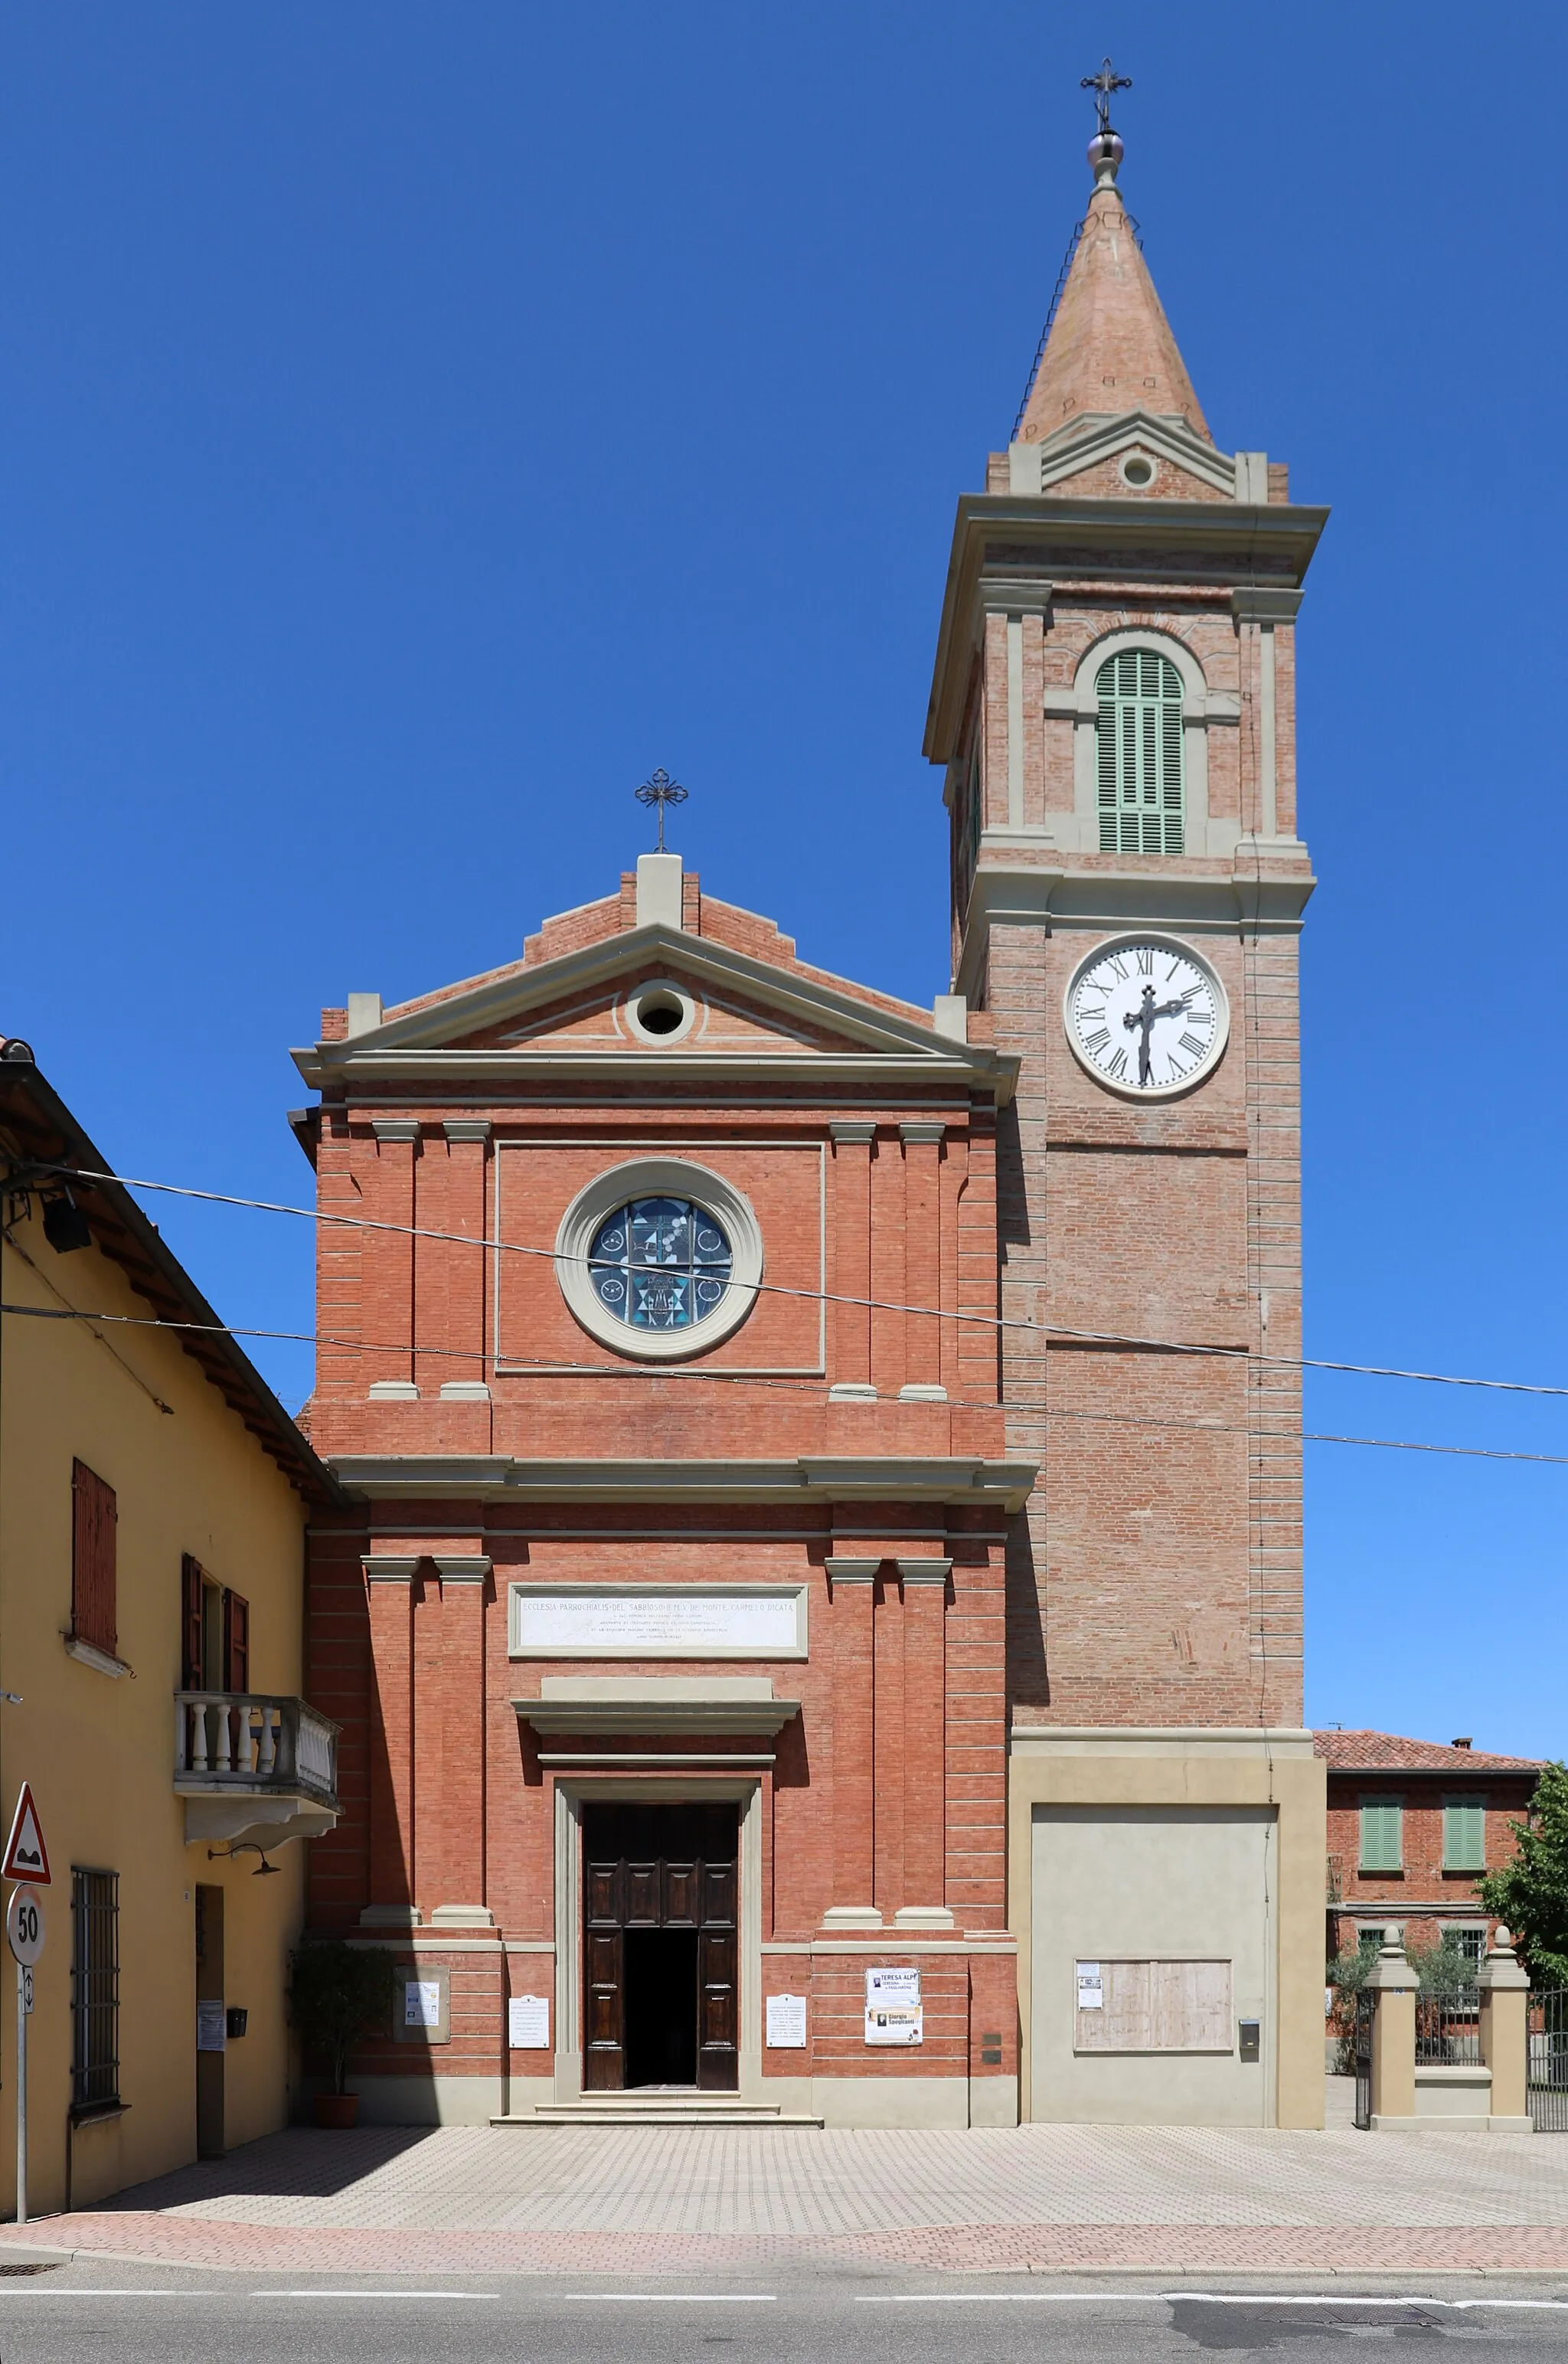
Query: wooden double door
{"points": [[660, 1946]]}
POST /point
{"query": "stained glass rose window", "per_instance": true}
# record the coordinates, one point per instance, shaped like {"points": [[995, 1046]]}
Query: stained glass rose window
{"points": [[660, 1263]]}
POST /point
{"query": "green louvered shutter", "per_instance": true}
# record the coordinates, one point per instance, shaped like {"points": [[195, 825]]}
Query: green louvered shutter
{"points": [[1464, 1833], [1139, 754], [1382, 1834]]}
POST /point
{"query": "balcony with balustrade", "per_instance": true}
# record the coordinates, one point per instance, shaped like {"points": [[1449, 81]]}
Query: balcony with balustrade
{"points": [[253, 1767]]}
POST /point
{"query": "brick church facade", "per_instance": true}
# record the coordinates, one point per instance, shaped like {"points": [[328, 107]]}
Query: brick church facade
{"points": [[807, 1644]]}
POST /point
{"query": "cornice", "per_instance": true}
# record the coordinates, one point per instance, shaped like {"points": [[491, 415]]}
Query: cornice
{"points": [[366, 1071], [489, 1477], [1206, 902], [1049, 542]]}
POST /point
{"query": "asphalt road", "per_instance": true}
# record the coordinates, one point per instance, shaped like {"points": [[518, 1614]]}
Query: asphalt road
{"points": [[147, 2316]]}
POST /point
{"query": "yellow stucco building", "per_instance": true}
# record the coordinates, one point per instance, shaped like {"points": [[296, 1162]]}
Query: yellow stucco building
{"points": [[153, 1500]]}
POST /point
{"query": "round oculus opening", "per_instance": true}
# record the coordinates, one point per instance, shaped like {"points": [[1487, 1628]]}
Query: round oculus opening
{"points": [[660, 1013], [1138, 470]]}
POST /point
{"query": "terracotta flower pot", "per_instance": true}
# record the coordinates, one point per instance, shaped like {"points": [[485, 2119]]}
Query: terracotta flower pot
{"points": [[340, 2110]]}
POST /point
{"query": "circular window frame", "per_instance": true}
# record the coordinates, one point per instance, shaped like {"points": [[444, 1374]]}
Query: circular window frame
{"points": [[1128, 941], [1143, 459], [646, 991], [659, 1178]]}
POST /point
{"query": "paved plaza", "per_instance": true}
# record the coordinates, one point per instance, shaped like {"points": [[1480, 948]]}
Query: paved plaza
{"points": [[1045, 2197]]}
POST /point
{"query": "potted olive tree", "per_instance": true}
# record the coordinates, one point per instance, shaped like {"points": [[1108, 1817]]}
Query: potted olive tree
{"points": [[337, 1995]]}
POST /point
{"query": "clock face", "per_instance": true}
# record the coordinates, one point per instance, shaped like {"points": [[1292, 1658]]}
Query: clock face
{"points": [[1147, 1015]]}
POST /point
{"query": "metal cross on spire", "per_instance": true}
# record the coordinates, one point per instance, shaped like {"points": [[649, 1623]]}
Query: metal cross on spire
{"points": [[660, 791], [1105, 85]]}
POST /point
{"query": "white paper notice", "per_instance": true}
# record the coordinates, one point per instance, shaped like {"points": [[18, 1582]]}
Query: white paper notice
{"points": [[528, 2023], [211, 2034], [786, 2023], [422, 2003], [893, 2014], [1091, 1987]]}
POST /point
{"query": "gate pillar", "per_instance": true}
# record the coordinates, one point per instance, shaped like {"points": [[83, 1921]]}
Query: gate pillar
{"points": [[1504, 1997], [1393, 1981]]}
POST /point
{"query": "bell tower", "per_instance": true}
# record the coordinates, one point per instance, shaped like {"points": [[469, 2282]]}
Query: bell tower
{"points": [[1113, 710]]}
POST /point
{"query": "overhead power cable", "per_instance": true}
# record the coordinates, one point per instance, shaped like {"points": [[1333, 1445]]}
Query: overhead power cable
{"points": [[816, 1389], [831, 1296]]}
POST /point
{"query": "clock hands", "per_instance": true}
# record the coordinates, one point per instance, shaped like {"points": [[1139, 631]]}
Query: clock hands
{"points": [[1140, 1023]]}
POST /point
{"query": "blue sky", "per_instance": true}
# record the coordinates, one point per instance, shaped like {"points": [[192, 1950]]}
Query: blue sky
{"points": [[422, 420]]}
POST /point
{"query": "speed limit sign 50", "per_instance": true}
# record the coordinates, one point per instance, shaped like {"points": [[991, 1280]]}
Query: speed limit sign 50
{"points": [[23, 1925]]}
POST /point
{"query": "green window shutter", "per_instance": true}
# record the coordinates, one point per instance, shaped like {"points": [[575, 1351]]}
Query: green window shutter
{"points": [[1464, 1833], [1138, 767], [1382, 1834]]}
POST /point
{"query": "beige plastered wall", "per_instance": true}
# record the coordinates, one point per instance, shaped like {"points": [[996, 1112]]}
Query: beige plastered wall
{"points": [[1059, 1765], [99, 1750]]}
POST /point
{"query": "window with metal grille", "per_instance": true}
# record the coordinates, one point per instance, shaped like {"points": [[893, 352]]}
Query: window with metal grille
{"points": [[1382, 1834], [1141, 800], [1464, 1833], [94, 1988]]}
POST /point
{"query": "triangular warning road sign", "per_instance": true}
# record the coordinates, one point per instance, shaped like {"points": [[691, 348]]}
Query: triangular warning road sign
{"points": [[27, 1857]]}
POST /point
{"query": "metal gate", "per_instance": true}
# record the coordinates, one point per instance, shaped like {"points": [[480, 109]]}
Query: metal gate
{"points": [[1546, 2045], [1366, 2005]]}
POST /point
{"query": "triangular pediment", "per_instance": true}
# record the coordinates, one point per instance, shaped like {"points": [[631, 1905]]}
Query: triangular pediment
{"points": [[1185, 461], [655, 999]]}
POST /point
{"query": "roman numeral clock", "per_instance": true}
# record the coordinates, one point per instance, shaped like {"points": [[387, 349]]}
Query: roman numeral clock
{"points": [[1147, 1015]]}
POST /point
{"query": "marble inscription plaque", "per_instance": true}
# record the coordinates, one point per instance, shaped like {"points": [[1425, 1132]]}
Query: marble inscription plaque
{"points": [[647, 1621]]}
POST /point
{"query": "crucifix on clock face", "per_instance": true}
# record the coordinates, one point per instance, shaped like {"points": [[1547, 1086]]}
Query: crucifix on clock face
{"points": [[1147, 1018]]}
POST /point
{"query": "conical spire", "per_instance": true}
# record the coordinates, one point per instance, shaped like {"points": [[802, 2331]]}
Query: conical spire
{"points": [[1110, 348]]}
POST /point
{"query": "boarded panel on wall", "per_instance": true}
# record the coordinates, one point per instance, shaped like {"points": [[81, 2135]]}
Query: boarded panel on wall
{"points": [[95, 1515], [1159, 2006]]}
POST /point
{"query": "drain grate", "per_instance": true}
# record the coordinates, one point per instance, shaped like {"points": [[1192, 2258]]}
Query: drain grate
{"points": [[52, 2267]]}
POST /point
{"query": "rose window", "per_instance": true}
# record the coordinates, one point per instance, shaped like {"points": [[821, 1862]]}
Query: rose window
{"points": [[660, 1263]]}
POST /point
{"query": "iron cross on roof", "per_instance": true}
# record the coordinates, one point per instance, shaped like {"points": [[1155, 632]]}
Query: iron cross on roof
{"points": [[1104, 84], [660, 791]]}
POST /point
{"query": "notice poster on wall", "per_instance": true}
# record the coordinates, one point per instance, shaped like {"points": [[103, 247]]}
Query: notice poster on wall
{"points": [[1091, 1986], [786, 2023], [422, 2003], [893, 2009], [528, 2023], [212, 2031]]}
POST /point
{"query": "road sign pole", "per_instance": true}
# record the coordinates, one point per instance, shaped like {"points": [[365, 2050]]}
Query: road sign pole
{"points": [[21, 2095]]}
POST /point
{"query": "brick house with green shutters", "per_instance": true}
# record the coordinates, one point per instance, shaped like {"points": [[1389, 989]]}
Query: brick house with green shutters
{"points": [[1412, 1826]]}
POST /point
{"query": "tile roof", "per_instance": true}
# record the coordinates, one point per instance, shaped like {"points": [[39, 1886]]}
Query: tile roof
{"points": [[1387, 1751]]}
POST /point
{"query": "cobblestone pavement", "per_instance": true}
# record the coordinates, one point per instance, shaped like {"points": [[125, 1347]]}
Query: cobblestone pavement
{"points": [[549, 2200]]}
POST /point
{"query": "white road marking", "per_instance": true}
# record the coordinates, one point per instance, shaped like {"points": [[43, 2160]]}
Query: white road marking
{"points": [[372, 2294], [93, 2290], [673, 2298], [1349, 2298], [1204, 2298]]}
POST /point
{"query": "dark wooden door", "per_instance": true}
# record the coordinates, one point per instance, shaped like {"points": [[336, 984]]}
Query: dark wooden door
{"points": [[665, 2008]]}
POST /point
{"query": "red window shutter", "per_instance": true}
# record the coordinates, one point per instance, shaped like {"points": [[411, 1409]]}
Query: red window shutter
{"points": [[93, 1520], [235, 1642], [190, 1625]]}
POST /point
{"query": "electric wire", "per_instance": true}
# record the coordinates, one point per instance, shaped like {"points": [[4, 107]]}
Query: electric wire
{"points": [[816, 1389], [831, 1297]]}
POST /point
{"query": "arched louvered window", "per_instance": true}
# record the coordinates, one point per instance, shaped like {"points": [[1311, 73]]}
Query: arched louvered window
{"points": [[1139, 754]]}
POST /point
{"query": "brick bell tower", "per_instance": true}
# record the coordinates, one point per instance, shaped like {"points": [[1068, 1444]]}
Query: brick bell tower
{"points": [[1114, 708]]}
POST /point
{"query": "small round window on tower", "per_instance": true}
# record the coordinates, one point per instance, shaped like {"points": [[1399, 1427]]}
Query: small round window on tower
{"points": [[659, 1013], [1138, 470]]}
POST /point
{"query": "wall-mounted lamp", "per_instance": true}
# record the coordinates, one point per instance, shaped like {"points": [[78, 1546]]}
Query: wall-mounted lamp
{"points": [[65, 1227], [264, 1870]]}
